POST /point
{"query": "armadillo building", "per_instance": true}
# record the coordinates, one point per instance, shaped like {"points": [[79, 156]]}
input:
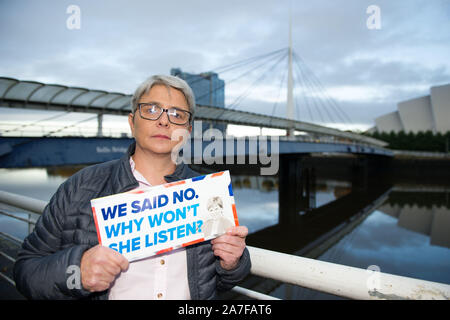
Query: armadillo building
{"points": [[430, 112]]}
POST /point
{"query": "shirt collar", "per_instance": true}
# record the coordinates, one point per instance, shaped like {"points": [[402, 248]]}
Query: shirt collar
{"points": [[180, 173], [137, 175]]}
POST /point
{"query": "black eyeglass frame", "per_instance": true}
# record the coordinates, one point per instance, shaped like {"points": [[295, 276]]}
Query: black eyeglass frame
{"points": [[165, 110]]}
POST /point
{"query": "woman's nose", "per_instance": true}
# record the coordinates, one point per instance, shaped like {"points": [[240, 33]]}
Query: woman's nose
{"points": [[164, 119]]}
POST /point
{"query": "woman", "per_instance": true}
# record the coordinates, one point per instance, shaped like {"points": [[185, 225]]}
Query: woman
{"points": [[65, 235]]}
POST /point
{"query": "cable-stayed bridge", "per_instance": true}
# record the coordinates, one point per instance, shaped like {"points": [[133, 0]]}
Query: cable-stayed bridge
{"points": [[35, 95], [53, 97], [304, 93]]}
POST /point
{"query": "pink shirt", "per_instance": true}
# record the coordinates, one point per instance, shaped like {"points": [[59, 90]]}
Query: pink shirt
{"points": [[158, 277]]}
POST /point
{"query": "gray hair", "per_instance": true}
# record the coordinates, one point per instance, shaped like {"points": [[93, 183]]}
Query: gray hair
{"points": [[168, 81]]}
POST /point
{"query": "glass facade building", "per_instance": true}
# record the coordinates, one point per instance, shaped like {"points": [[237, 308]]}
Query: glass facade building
{"points": [[209, 90]]}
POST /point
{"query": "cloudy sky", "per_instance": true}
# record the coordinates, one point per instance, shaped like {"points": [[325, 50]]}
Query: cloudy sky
{"points": [[120, 43]]}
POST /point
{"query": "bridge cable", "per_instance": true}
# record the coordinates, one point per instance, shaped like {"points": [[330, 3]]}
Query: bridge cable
{"points": [[238, 77], [241, 75], [232, 66], [333, 102], [69, 126], [251, 87], [247, 61], [283, 79], [38, 121], [313, 92], [235, 65], [309, 95], [272, 56], [318, 91], [249, 71], [304, 96]]}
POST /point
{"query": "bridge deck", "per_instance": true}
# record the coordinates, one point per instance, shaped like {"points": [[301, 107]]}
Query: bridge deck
{"points": [[19, 152]]}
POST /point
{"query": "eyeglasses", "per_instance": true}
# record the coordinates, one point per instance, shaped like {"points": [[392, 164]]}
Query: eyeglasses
{"points": [[152, 111]]}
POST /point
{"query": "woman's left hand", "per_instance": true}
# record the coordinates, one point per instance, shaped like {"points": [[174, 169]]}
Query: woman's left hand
{"points": [[230, 246]]}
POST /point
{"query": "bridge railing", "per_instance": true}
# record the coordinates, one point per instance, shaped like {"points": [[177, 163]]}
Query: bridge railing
{"points": [[17, 129], [340, 280]]}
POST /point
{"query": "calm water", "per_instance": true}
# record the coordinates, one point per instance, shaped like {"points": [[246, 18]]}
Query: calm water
{"points": [[406, 233]]}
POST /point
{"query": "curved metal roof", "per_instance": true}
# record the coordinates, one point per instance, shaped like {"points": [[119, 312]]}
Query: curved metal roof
{"points": [[36, 95], [55, 94]]}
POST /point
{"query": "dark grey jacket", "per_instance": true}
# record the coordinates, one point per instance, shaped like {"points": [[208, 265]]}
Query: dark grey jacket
{"points": [[66, 230]]}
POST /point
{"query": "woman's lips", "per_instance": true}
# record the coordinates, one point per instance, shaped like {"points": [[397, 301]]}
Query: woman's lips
{"points": [[161, 136]]}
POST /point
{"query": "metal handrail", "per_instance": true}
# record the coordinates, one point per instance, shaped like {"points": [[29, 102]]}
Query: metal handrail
{"points": [[11, 238], [22, 202], [340, 280], [16, 217]]}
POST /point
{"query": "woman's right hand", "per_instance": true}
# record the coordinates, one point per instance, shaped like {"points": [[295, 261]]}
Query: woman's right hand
{"points": [[99, 267]]}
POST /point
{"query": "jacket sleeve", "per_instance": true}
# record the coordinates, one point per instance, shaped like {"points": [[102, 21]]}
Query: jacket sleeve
{"points": [[42, 268], [229, 278]]}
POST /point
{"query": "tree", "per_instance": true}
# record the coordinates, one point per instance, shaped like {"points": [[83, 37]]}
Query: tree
{"points": [[420, 141]]}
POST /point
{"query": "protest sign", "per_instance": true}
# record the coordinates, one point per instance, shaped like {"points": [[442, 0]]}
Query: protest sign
{"points": [[149, 221]]}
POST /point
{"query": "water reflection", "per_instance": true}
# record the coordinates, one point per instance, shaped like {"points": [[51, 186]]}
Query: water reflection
{"points": [[431, 222], [304, 232], [379, 241]]}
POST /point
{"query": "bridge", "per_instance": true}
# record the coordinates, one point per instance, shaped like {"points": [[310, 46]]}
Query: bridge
{"points": [[41, 151], [21, 94]]}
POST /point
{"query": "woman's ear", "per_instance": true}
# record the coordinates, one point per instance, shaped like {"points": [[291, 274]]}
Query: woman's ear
{"points": [[131, 123]]}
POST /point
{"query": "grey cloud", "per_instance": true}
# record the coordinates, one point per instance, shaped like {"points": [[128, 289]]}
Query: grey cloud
{"points": [[375, 72]]}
